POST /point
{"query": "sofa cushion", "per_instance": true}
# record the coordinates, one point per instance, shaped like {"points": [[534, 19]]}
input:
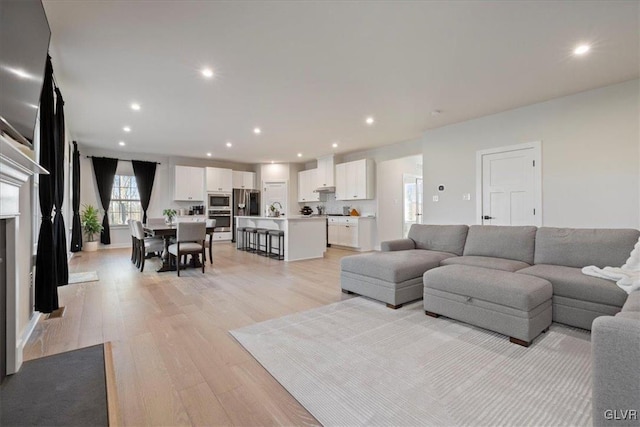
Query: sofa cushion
{"points": [[571, 283], [516, 243], [580, 247], [393, 266], [633, 302], [629, 315], [500, 287], [487, 262], [440, 238]]}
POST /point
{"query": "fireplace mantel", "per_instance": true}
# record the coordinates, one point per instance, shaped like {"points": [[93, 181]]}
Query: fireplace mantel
{"points": [[15, 169]]}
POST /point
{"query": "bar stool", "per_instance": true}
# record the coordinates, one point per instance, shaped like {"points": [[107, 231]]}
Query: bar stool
{"points": [[263, 249], [241, 242], [280, 235], [252, 236]]}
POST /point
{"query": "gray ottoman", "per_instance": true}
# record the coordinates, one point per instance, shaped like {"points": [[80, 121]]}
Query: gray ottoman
{"points": [[512, 304]]}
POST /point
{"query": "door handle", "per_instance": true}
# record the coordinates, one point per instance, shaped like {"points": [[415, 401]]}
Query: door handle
{"points": [[488, 217]]}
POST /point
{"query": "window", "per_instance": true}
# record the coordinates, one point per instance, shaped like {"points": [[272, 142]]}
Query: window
{"points": [[125, 201]]}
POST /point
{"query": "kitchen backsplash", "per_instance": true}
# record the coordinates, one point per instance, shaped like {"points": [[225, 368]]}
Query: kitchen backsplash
{"points": [[333, 206]]}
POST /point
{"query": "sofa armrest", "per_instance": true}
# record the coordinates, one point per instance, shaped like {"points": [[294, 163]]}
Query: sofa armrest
{"points": [[397, 245], [615, 350]]}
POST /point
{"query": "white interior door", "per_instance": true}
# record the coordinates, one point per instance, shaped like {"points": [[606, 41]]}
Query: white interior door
{"points": [[275, 192], [412, 202], [510, 187]]}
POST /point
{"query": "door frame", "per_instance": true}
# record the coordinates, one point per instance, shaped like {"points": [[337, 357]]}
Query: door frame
{"points": [[537, 177]]}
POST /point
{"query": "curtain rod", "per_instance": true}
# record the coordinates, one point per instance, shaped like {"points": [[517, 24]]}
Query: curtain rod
{"points": [[123, 160]]}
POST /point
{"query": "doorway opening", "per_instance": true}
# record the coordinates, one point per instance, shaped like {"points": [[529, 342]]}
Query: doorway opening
{"points": [[412, 202], [509, 185]]}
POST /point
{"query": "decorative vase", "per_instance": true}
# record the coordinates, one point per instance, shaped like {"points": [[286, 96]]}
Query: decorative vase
{"points": [[169, 220], [90, 246]]}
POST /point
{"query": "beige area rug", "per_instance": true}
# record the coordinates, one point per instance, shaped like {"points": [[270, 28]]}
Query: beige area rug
{"points": [[357, 362], [87, 276]]}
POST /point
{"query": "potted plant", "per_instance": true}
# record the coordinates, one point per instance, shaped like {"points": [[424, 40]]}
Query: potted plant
{"points": [[169, 215], [91, 226], [273, 211]]}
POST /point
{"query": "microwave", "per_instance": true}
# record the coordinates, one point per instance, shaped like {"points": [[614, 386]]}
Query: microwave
{"points": [[219, 201]]}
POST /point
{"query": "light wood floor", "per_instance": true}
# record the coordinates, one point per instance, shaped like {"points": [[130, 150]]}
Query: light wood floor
{"points": [[175, 362]]}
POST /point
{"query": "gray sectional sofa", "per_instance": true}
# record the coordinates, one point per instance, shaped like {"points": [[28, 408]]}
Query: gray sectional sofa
{"points": [[408, 269], [615, 352], [516, 281]]}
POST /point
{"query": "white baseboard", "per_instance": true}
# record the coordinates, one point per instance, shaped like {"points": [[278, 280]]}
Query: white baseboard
{"points": [[115, 246], [22, 341]]}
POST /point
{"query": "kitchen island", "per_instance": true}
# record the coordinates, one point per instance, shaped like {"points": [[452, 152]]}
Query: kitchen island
{"points": [[305, 237]]}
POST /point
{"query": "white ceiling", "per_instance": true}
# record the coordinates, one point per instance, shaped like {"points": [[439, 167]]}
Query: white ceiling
{"points": [[308, 73]]}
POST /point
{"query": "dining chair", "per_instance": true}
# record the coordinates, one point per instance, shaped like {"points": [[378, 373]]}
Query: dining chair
{"points": [[155, 221], [190, 237], [134, 241], [208, 243], [145, 245]]}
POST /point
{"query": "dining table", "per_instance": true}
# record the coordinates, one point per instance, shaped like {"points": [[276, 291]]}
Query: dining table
{"points": [[166, 232]]}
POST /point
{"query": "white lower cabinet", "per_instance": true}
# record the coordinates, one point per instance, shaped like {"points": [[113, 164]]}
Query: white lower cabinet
{"points": [[351, 232]]}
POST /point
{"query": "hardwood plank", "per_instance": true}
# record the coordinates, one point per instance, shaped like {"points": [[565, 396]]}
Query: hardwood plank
{"points": [[175, 362], [112, 390], [203, 407]]}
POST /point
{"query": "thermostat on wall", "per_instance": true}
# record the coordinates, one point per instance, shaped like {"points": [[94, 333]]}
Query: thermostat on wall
{"points": [[440, 187]]}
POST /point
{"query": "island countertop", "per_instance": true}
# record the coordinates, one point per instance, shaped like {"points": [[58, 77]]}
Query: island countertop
{"points": [[304, 237], [284, 218]]}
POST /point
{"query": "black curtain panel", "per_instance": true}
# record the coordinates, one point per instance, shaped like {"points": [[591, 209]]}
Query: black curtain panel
{"points": [[46, 290], [105, 170], [59, 231], [76, 228], [145, 173]]}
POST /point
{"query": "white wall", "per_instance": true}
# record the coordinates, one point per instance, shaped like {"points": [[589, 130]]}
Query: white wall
{"points": [[590, 158], [162, 193]]}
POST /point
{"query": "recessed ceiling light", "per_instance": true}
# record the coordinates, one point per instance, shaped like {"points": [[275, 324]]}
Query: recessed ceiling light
{"points": [[299, 154], [334, 145], [122, 143], [20, 73], [370, 120], [207, 72], [135, 106], [257, 131], [436, 113], [581, 49], [209, 154], [229, 144], [126, 129]]}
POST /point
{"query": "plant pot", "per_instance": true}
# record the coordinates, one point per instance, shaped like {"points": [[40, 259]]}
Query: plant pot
{"points": [[90, 246]]}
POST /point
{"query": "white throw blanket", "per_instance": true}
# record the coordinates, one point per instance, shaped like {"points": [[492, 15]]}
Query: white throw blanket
{"points": [[627, 276]]}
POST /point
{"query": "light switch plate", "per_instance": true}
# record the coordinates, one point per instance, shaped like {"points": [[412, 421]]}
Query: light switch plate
{"points": [[466, 196], [435, 198]]}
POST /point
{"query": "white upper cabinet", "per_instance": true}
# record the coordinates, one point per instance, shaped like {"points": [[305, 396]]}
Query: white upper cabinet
{"points": [[307, 183], [355, 180], [245, 180], [188, 183], [325, 174], [219, 179]]}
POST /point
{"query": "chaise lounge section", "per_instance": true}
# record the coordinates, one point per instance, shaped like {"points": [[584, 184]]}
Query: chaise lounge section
{"points": [[394, 275]]}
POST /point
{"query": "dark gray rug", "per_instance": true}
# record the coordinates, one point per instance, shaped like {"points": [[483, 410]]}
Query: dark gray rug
{"points": [[67, 389]]}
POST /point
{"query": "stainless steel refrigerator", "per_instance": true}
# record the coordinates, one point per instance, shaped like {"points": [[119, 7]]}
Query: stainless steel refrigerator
{"points": [[244, 203]]}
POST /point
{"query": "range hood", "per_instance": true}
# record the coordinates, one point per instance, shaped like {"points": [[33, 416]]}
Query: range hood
{"points": [[325, 190]]}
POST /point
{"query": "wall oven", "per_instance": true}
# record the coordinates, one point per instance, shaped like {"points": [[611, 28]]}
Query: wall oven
{"points": [[219, 201], [223, 219]]}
